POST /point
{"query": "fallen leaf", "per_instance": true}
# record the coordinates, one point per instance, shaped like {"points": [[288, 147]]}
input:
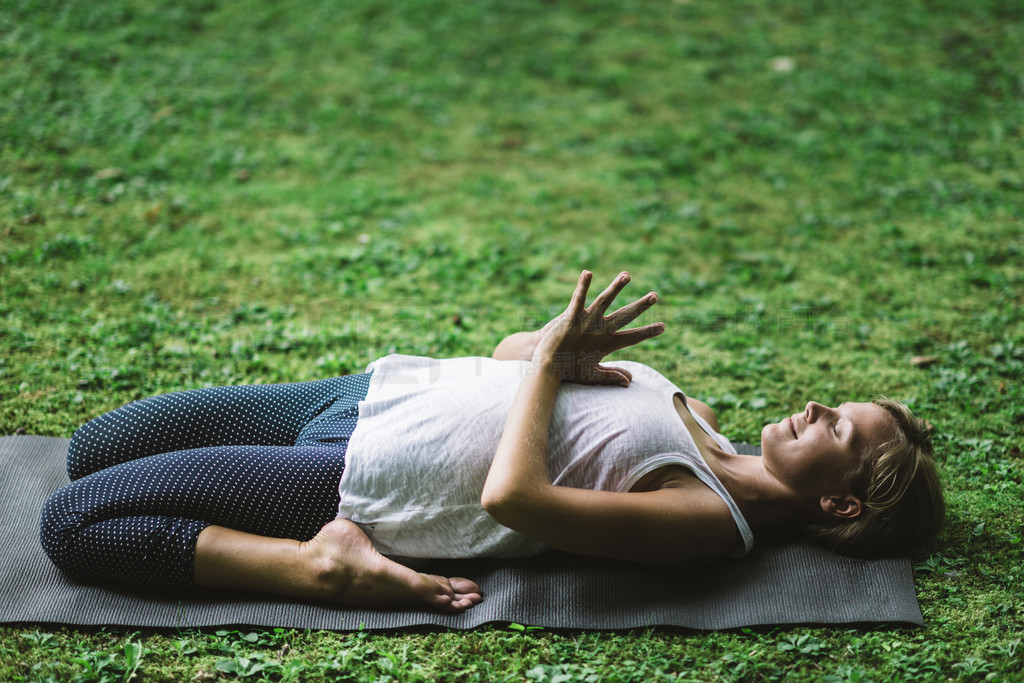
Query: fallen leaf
{"points": [[163, 113], [783, 64], [924, 361], [243, 175], [108, 173]]}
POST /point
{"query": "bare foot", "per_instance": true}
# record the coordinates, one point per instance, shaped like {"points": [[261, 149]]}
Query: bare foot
{"points": [[350, 571]]}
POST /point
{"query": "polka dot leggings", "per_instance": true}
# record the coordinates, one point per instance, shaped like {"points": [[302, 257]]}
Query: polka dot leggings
{"points": [[149, 476]]}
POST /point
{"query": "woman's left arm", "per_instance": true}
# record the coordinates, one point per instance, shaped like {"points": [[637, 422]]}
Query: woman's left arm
{"points": [[519, 493], [517, 346], [571, 348]]}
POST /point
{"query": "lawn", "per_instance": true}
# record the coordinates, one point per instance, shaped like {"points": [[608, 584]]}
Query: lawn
{"points": [[829, 198]]}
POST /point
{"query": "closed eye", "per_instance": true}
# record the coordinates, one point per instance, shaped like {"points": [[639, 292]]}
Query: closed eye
{"points": [[835, 425]]}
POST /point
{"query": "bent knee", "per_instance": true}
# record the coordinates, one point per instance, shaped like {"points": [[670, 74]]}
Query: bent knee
{"points": [[78, 449], [87, 452], [59, 526]]}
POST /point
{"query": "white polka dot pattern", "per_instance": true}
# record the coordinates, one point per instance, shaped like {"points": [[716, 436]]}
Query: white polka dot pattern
{"points": [[149, 476]]}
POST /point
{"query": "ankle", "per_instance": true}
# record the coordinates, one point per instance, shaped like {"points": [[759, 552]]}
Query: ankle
{"points": [[327, 575]]}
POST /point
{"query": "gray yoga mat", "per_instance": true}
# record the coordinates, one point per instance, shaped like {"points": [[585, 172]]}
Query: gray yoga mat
{"points": [[782, 585]]}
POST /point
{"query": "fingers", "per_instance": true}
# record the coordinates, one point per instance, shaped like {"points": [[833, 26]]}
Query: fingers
{"points": [[604, 374], [631, 311], [579, 295], [605, 333], [624, 377], [605, 298], [624, 338]]}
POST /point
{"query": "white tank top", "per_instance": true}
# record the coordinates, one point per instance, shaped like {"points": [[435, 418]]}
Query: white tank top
{"points": [[428, 430]]}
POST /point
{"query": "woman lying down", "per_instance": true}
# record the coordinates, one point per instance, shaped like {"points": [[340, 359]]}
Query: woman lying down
{"points": [[309, 489]]}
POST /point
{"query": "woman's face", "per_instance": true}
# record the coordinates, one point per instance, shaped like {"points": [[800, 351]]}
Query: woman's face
{"points": [[813, 452]]}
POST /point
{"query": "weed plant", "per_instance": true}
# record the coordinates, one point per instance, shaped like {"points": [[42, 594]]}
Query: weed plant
{"points": [[827, 196]]}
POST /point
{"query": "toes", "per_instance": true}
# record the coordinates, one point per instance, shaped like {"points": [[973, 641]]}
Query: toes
{"points": [[463, 585], [460, 605], [466, 591], [445, 604], [441, 583], [462, 602], [456, 593]]}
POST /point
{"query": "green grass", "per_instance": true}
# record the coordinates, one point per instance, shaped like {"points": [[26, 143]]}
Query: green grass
{"points": [[207, 193]]}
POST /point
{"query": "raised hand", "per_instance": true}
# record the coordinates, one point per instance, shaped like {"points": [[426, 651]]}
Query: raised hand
{"points": [[574, 343]]}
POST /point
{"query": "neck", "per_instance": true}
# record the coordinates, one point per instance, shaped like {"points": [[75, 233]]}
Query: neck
{"points": [[764, 501]]}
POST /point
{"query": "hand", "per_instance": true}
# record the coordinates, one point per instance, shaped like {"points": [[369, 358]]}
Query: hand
{"points": [[574, 343]]}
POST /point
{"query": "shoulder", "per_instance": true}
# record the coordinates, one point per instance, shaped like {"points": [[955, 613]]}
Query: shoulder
{"points": [[705, 411]]}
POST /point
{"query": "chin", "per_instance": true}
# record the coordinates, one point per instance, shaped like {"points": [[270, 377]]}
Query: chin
{"points": [[770, 434]]}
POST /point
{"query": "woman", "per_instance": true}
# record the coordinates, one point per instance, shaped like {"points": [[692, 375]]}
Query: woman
{"points": [[221, 487]]}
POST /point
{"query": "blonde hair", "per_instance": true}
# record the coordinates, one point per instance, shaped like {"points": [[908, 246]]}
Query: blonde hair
{"points": [[901, 493]]}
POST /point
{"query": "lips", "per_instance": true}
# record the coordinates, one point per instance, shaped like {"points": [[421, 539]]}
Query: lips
{"points": [[792, 427]]}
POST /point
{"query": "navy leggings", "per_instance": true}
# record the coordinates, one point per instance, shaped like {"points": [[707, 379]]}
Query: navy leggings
{"points": [[149, 476]]}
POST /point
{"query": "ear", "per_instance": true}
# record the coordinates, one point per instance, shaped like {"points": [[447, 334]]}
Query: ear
{"points": [[844, 507]]}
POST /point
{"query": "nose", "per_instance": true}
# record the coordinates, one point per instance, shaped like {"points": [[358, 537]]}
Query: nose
{"points": [[814, 411]]}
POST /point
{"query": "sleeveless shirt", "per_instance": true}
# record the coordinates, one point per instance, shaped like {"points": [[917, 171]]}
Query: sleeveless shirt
{"points": [[428, 430]]}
